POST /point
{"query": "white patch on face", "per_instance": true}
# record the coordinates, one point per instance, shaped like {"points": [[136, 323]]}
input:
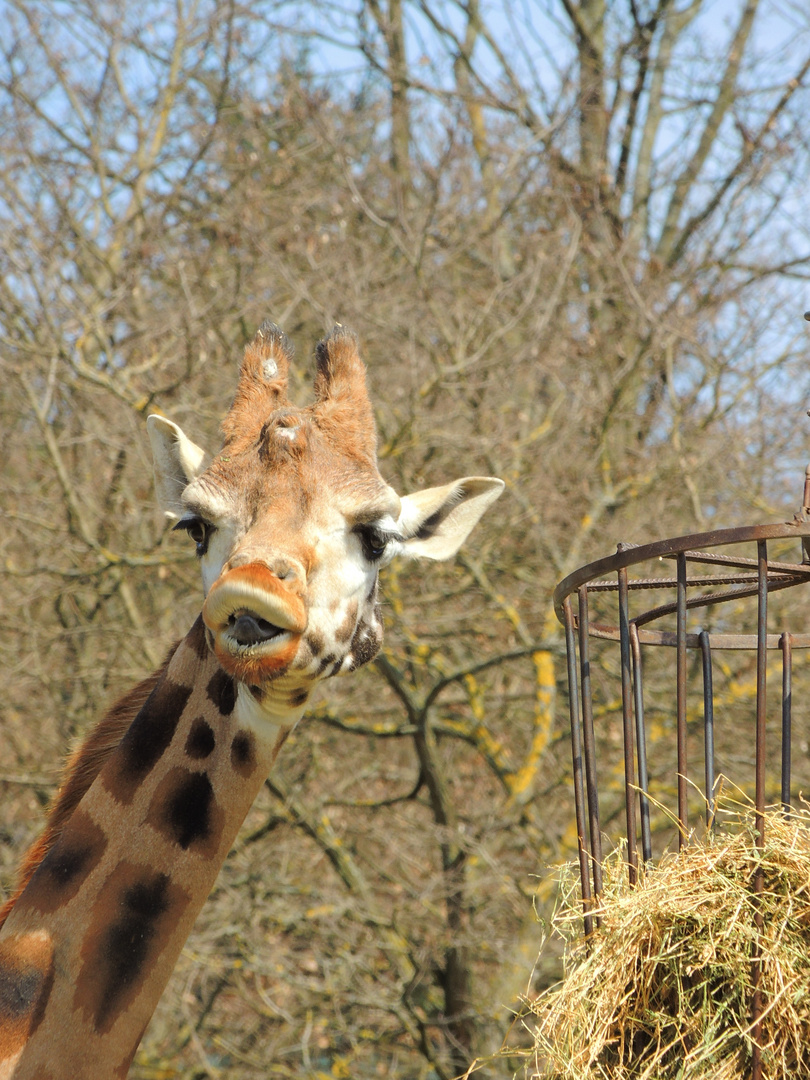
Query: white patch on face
{"points": [[221, 544], [338, 591], [226, 532], [287, 433]]}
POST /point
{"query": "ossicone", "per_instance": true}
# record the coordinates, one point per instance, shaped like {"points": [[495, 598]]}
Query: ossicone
{"points": [[262, 386], [341, 373], [268, 356], [340, 385]]}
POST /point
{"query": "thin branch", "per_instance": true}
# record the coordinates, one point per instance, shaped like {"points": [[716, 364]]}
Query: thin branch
{"points": [[722, 103]]}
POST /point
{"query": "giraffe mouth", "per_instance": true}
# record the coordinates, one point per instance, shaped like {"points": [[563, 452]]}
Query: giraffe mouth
{"points": [[256, 622], [245, 629]]}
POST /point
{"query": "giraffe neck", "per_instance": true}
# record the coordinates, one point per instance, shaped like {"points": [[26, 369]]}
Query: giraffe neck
{"points": [[96, 932]]}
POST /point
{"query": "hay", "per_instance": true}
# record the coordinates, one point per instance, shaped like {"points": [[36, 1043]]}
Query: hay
{"points": [[664, 988]]}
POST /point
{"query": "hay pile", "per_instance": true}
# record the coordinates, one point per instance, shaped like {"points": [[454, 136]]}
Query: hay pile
{"points": [[664, 988]]}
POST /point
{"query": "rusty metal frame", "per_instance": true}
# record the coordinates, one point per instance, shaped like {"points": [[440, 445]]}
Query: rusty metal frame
{"points": [[728, 577]]}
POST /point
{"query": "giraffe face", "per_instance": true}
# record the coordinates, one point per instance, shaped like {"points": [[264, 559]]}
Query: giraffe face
{"points": [[292, 520], [291, 535]]}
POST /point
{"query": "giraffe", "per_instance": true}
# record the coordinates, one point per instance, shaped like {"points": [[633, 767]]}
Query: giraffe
{"points": [[292, 522]]}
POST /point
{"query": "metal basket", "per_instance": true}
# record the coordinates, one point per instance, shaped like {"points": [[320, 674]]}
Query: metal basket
{"points": [[714, 572]]}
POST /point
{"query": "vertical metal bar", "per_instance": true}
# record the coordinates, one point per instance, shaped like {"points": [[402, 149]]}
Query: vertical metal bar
{"points": [[641, 745], [787, 702], [708, 727], [759, 875], [762, 647], [589, 745], [805, 514], [576, 751], [681, 699], [627, 725]]}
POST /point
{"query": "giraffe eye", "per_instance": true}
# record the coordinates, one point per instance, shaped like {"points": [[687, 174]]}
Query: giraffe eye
{"points": [[373, 541], [199, 531]]}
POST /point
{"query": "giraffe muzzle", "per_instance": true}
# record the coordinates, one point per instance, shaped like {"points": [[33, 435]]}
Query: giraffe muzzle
{"points": [[256, 621]]}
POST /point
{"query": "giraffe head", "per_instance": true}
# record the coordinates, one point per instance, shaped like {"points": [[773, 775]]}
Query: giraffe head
{"points": [[292, 521]]}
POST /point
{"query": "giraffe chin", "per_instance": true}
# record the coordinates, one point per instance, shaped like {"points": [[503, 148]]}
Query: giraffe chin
{"points": [[257, 664]]}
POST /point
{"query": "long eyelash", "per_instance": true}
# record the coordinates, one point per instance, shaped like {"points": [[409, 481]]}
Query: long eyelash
{"points": [[185, 524], [375, 541], [188, 523]]}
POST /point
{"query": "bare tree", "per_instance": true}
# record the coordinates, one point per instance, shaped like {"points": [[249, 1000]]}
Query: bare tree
{"points": [[570, 244]]}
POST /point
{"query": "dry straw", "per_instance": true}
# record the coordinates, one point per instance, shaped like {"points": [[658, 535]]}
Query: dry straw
{"points": [[663, 989]]}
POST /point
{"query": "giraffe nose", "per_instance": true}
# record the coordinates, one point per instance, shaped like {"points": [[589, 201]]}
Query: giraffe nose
{"points": [[288, 570], [250, 605]]}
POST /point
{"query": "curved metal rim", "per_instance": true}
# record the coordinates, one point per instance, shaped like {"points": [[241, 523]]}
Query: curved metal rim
{"points": [[676, 546]]}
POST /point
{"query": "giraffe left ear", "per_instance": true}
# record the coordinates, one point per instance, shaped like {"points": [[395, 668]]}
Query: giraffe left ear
{"points": [[177, 461], [437, 521]]}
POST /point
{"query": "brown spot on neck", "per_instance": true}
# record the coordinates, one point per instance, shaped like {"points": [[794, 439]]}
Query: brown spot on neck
{"points": [[221, 691], [130, 924], [184, 810], [26, 978], [243, 753], [148, 738], [197, 640], [201, 740], [67, 865]]}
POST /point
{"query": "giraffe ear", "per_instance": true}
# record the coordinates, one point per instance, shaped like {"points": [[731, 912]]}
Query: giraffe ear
{"points": [[177, 461], [437, 521]]}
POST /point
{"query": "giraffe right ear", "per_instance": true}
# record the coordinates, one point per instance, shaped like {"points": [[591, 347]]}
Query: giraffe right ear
{"points": [[177, 461], [436, 522]]}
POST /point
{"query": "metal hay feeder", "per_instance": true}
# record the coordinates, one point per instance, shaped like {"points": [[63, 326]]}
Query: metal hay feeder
{"points": [[714, 572]]}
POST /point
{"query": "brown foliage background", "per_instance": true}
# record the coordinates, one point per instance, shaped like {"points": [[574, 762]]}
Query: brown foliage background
{"points": [[573, 242]]}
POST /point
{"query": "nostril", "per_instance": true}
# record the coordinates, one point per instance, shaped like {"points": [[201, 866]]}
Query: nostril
{"points": [[240, 559], [282, 569], [250, 629]]}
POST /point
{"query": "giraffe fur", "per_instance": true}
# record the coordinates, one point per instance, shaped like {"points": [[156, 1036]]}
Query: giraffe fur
{"points": [[292, 522]]}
